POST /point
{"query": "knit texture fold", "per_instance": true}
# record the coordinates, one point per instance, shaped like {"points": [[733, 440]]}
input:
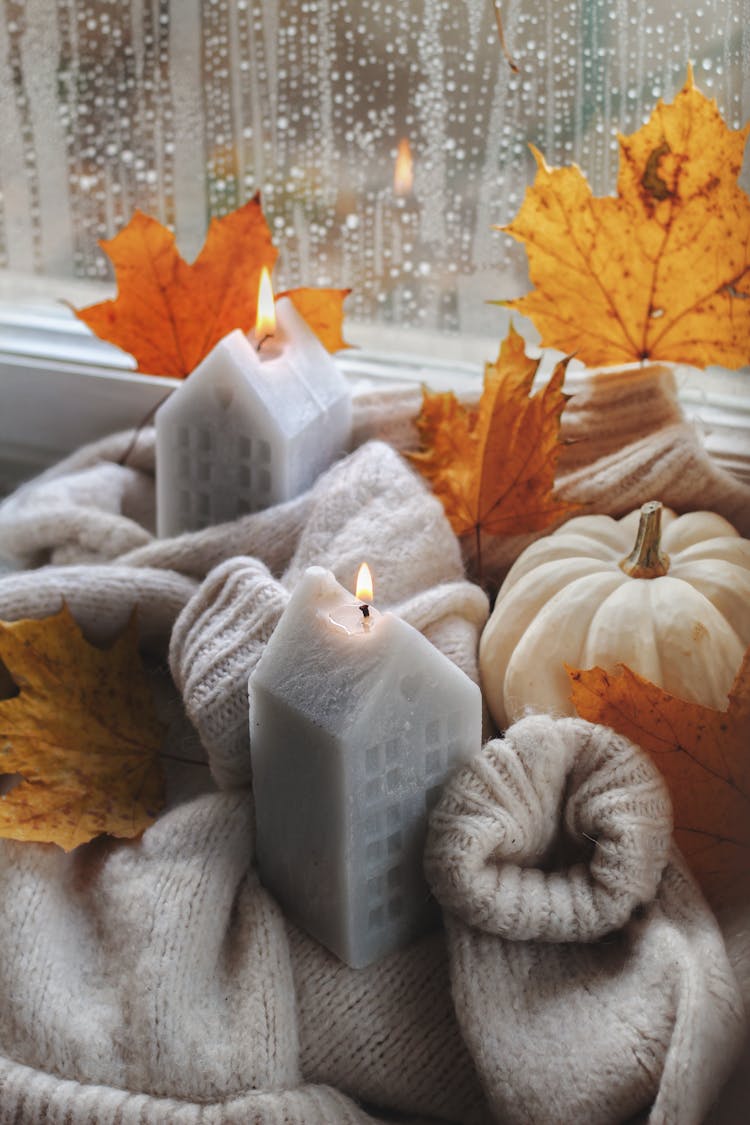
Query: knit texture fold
{"points": [[589, 976], [579, 975]]}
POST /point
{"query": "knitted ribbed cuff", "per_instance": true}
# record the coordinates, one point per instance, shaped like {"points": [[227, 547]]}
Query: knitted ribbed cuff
{"points": [[555, 833]]}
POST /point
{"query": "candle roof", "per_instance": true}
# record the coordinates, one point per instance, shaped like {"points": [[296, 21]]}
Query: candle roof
{"points": [[342, 681], [289, 390]]}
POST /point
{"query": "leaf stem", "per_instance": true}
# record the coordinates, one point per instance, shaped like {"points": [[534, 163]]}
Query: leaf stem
{"points": [[186, 761], [501, 36], [123, 460], [478, 544]]}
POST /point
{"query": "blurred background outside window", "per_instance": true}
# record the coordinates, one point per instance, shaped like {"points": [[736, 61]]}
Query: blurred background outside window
{"points": [[186, 108]]}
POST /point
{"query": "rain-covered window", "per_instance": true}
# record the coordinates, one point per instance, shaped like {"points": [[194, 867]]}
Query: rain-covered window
{"points": [[186, 108]]}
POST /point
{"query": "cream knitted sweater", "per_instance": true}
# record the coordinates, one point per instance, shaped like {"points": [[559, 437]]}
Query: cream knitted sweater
{"points": [[157, 981]]}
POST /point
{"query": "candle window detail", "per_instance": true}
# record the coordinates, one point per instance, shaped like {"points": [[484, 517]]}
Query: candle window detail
{"points": [[253, 425], [356, 721]]}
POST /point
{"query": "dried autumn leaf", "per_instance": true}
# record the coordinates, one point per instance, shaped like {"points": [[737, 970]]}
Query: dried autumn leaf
{"points": [[493, 467], [705, 757], [82, 733], [323, 309], [660, 272], [169, 314]]}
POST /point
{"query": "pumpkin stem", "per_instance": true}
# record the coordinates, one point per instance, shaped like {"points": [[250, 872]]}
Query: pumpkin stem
{"points": [[647, 560]]}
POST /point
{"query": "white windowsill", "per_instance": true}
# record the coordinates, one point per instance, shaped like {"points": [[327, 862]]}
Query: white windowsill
{"points": [[61, 387]]}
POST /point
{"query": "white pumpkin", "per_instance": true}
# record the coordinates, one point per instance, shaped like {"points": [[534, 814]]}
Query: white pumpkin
{"points": [[584, 596]]}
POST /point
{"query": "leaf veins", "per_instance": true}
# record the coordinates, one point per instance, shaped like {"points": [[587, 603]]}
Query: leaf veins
{"points": [[493, 467], [662, 270], [81, 734], [169, 314], [705, 757]]}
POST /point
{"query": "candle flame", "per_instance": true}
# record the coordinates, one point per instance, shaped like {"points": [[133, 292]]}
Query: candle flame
{"points": [[364, 584], [265, 321], [403, 176]]}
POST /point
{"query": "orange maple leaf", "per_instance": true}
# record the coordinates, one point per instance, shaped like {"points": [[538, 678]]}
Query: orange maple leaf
{"points": [[169, 314], [705, 757], [493, 467], [82, 733], [323, 311], [660, 272]]}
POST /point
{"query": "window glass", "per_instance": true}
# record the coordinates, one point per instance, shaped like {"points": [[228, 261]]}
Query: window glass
{"points": [[185, 108]]}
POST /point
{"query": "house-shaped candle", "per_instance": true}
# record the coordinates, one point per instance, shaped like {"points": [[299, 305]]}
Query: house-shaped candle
{"points": [[356, 720], [254, 424]]}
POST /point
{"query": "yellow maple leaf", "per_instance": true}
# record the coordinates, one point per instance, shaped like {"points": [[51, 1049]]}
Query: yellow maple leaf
{"points": [[705, 757], [662, 270], [493, 467], [169, 314], [82, 733]]}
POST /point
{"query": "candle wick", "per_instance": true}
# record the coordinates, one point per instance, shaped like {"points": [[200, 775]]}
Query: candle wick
{"points": [[267, 336], [365, 611]]}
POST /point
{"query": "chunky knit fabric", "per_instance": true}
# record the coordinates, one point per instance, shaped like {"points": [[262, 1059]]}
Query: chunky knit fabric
{"points": [[101, 598], [371, 507], [156, 981], [151, 982], [590, 979]]}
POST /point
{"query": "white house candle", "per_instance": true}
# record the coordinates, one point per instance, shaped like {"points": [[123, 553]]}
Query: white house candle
{"points": [[356, 720], [254, 424]]}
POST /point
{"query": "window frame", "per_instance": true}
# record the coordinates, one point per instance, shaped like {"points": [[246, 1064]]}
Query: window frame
{"points": [[61, 387]]}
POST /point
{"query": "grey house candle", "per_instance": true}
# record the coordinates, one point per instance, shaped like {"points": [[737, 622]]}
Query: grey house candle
{"points": [[356, 720], [254, 424]]}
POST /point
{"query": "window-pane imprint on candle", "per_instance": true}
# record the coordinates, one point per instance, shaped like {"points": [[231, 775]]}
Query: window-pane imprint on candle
{"points": [[394, 844], [384, 840], [253, 474], [193, 459], [383, 845], [386, 782]]}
